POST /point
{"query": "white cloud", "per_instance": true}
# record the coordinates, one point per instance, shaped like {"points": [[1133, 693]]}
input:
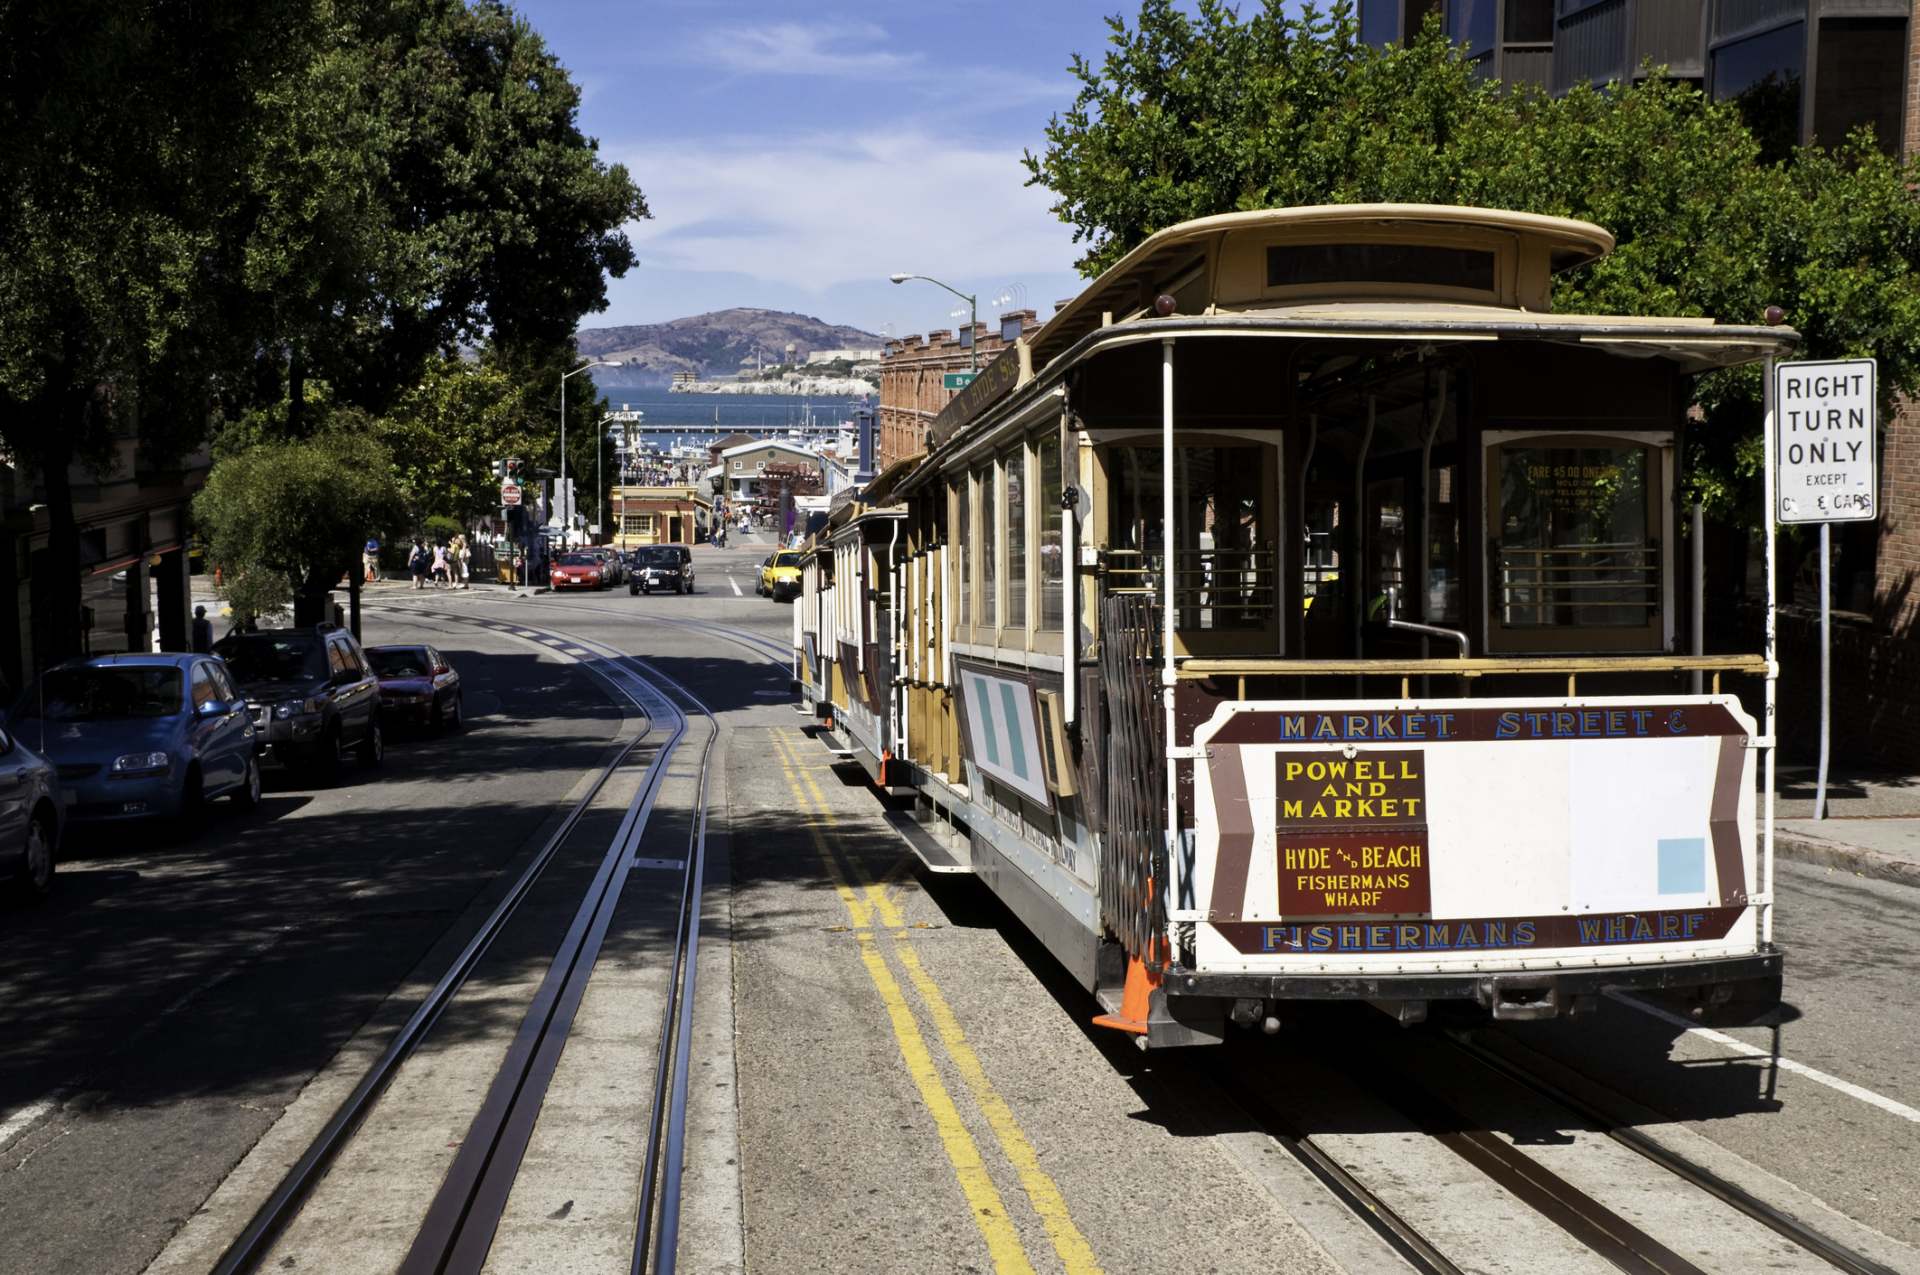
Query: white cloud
{"points": [[793, 48], [818, 211]]}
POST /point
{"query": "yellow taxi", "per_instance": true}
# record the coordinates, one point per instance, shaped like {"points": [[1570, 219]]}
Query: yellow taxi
{"points": [[780, 576]]}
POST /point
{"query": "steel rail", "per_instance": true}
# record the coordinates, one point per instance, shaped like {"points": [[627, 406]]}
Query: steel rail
{"points": [[252, 1244], [1822, 1246], [657, 1219], [666, 1127], [1359, 1199], [458, 1230]]}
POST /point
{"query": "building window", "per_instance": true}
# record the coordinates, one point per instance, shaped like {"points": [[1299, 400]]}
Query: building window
{"points": [[1529, 22], [633, 524], [1763, 74], [1470, 22], [739, 465], [1380, 22]]}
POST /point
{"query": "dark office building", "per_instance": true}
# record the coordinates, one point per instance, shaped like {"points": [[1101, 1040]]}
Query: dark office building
{"points": [[1804, 69]]}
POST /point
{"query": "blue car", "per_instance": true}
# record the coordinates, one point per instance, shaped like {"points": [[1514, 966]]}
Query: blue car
{"points": [[142, 736]]}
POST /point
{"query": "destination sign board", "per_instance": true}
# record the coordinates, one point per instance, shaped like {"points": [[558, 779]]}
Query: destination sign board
{"points": [[1824, 441], [1352, 833]]}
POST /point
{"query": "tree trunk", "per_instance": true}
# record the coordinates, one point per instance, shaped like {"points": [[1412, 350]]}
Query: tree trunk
{"points": [[57, 588], [296, 394]]}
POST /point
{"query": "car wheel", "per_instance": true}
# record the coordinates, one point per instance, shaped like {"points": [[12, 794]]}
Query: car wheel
{"points": [[373, 749], [247, 795], [36, 859], [193, 804], [633, 590], [450, 715], [326, 756]]}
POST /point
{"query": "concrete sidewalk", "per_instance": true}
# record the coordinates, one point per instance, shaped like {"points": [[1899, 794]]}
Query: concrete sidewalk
{"points": [[1872, 825]]}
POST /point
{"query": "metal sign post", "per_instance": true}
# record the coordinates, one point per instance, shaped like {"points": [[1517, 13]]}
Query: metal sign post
{"points": [[1822, 431]]}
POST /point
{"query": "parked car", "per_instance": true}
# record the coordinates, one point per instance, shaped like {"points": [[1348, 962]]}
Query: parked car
{"points": [[616, 565], [780, 578], [30, 818], [311, 695], [142, 736], [577, 571], [417, 686], [663, 567]]}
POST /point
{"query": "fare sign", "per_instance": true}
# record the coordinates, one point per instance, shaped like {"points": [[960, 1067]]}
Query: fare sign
{"points": [[1824, 452]]}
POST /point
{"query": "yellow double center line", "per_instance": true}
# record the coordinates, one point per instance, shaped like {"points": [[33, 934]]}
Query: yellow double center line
{"points": [[989, 1214]]}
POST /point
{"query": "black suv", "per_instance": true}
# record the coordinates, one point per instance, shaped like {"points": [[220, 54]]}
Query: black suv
{"points": [[311, 693], [668, 567]]}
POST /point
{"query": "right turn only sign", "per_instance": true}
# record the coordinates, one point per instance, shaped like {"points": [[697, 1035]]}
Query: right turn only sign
{"points": [[1824, 441]]}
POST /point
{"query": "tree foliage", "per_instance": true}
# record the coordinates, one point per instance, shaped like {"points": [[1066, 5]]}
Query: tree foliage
{"points": [[445, 431], [283, 518], [212, 207], [1194, 113]]}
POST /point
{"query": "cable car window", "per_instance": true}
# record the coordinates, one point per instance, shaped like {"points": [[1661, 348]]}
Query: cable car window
{"points": [[1575, 544], [1052, 595], [1226, 567], [962, 541], [1386, 545], [1013, 469], [983, 481], [1297, 265], [1444, 605]]}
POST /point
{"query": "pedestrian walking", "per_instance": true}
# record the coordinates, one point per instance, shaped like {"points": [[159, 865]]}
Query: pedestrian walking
{"points": [[370, 560], [439, 566], [417, 563], [458, 555], [202, 632]]}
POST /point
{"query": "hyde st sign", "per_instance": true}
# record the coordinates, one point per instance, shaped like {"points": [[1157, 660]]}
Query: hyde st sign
{"points": [[1824, 450]]}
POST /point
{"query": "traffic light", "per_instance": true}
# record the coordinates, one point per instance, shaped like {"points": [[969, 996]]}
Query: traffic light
{"points": [[499, 469]]}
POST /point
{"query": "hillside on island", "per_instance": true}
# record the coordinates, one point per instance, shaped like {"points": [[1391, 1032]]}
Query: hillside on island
{"points": [[715, 344]]}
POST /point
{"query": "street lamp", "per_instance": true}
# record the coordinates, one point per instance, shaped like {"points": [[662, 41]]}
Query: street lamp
{"points": [[591, 363], [973, 314]]}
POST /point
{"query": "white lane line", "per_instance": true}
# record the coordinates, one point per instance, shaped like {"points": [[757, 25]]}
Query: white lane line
{"points": [[13, 1125], [736, 587], [576, 650], [552, 641], [1846, 1087]]}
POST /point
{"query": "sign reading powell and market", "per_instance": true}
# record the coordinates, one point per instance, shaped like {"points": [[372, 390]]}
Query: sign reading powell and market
{"points": [[1352, 833]]}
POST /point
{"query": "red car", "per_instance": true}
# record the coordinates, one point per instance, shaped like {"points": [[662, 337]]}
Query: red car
{"points": [[417, 687], [578, 571]]}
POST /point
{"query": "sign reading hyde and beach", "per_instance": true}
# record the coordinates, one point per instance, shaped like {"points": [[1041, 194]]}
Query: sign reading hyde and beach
{"points": [[1479, 829]]}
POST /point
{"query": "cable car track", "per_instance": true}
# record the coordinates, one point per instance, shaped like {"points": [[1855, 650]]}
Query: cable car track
{"points": [[458, 1230], [1590, 1222]]}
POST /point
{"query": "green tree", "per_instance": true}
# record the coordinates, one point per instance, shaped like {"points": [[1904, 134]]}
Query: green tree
{"points": [[1190, 114], [446, 431], [286, 519]]}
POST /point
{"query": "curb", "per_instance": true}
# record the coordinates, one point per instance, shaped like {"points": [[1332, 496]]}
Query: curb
{"points": [[1856, 859]]}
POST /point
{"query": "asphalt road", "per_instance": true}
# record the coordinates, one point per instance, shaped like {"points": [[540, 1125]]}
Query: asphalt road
{"points": [[164, 1006], [894, 1077]]}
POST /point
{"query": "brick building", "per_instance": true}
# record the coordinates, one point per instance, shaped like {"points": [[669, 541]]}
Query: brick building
{"points": [[912, 380]]}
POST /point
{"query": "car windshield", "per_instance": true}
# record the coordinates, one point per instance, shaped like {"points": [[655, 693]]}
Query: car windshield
{"points": [[399, 661], [272, 657], [99, 693], [659, 558], [580, 560], [786, 560]]}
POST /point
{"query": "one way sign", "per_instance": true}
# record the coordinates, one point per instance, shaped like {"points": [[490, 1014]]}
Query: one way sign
{"points": [[1824, 446]]}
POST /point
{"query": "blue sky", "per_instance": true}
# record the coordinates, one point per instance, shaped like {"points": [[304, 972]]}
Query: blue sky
{"points": [[794, 155]]}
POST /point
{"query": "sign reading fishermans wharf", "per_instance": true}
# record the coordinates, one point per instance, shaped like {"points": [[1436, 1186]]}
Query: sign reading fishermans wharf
{"points": [[1352, 833]]}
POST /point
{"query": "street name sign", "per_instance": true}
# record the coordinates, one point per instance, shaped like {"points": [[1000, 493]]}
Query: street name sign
{"points": [[1824, 441], [509, 494], [956, 380]]}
